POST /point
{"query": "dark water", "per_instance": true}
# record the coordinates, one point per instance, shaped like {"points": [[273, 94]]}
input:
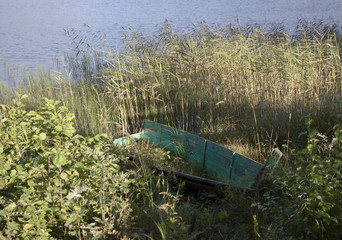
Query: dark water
{"points": [[32, 32]]}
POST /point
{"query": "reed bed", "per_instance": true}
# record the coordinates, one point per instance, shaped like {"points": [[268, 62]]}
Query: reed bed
{"points": [[220, 82], [211, 79]]}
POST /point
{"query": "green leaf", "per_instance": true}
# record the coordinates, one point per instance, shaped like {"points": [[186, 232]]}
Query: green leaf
{"points": [[69, 131], [71, 219], [2, 183], [64, 175], [42, 136], [55, 181], [13, 179], [312, 132], [334, 219], [59, 160], [58, 128], [7, 166], [30, 209], [30, 183], [48, 197], [28, 226], [19, 168], [13, 173], [11, 207], [38, 117], [309, 147], [18, 94]]}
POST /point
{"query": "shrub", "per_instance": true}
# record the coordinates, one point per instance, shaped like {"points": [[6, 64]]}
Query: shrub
{"points": [[54, 183], [305, 201]]}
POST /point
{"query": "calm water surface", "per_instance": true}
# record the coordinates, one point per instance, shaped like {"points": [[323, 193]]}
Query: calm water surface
{"points": [[32, 32]]}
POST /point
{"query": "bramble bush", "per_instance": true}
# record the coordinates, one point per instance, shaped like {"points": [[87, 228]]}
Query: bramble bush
{"points": [[305, 199]]}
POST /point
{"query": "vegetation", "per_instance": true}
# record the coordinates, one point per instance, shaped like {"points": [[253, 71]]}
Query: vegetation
{"points": [[304, 199], [248, 84], [56, 184], [244, 87]]}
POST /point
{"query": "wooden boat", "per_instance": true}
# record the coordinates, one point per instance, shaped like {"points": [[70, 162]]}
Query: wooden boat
{"points": [[222, 163]]}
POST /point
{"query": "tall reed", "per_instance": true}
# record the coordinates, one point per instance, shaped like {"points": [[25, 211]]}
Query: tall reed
{"points": [[210, 76], [239, 81]]}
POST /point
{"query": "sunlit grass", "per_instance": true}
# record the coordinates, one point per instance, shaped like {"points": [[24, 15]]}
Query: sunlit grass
{"points": [[244, 84]]}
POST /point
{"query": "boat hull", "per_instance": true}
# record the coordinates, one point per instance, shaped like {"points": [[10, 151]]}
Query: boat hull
{"points": [[222, 163]]}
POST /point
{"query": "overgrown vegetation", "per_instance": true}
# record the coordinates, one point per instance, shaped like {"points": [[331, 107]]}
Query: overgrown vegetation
{"points": [[247, 83], [243, 87], [304, 200], [56, 184]]}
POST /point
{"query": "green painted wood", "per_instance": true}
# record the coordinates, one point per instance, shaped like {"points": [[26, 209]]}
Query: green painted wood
{"points": [[193, 148], [163, 136], [218, 161], [244, 171], [128, 139], [222, 163]]}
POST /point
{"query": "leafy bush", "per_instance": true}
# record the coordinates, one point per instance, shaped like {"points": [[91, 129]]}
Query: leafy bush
{"points": [[54, 183], [305, 200]]}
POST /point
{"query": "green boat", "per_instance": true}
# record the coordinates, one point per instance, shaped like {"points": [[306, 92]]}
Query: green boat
{"points": [[222, 163]]}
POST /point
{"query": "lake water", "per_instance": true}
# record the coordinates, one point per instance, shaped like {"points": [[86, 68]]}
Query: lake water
{"points": [[32, 32]]}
